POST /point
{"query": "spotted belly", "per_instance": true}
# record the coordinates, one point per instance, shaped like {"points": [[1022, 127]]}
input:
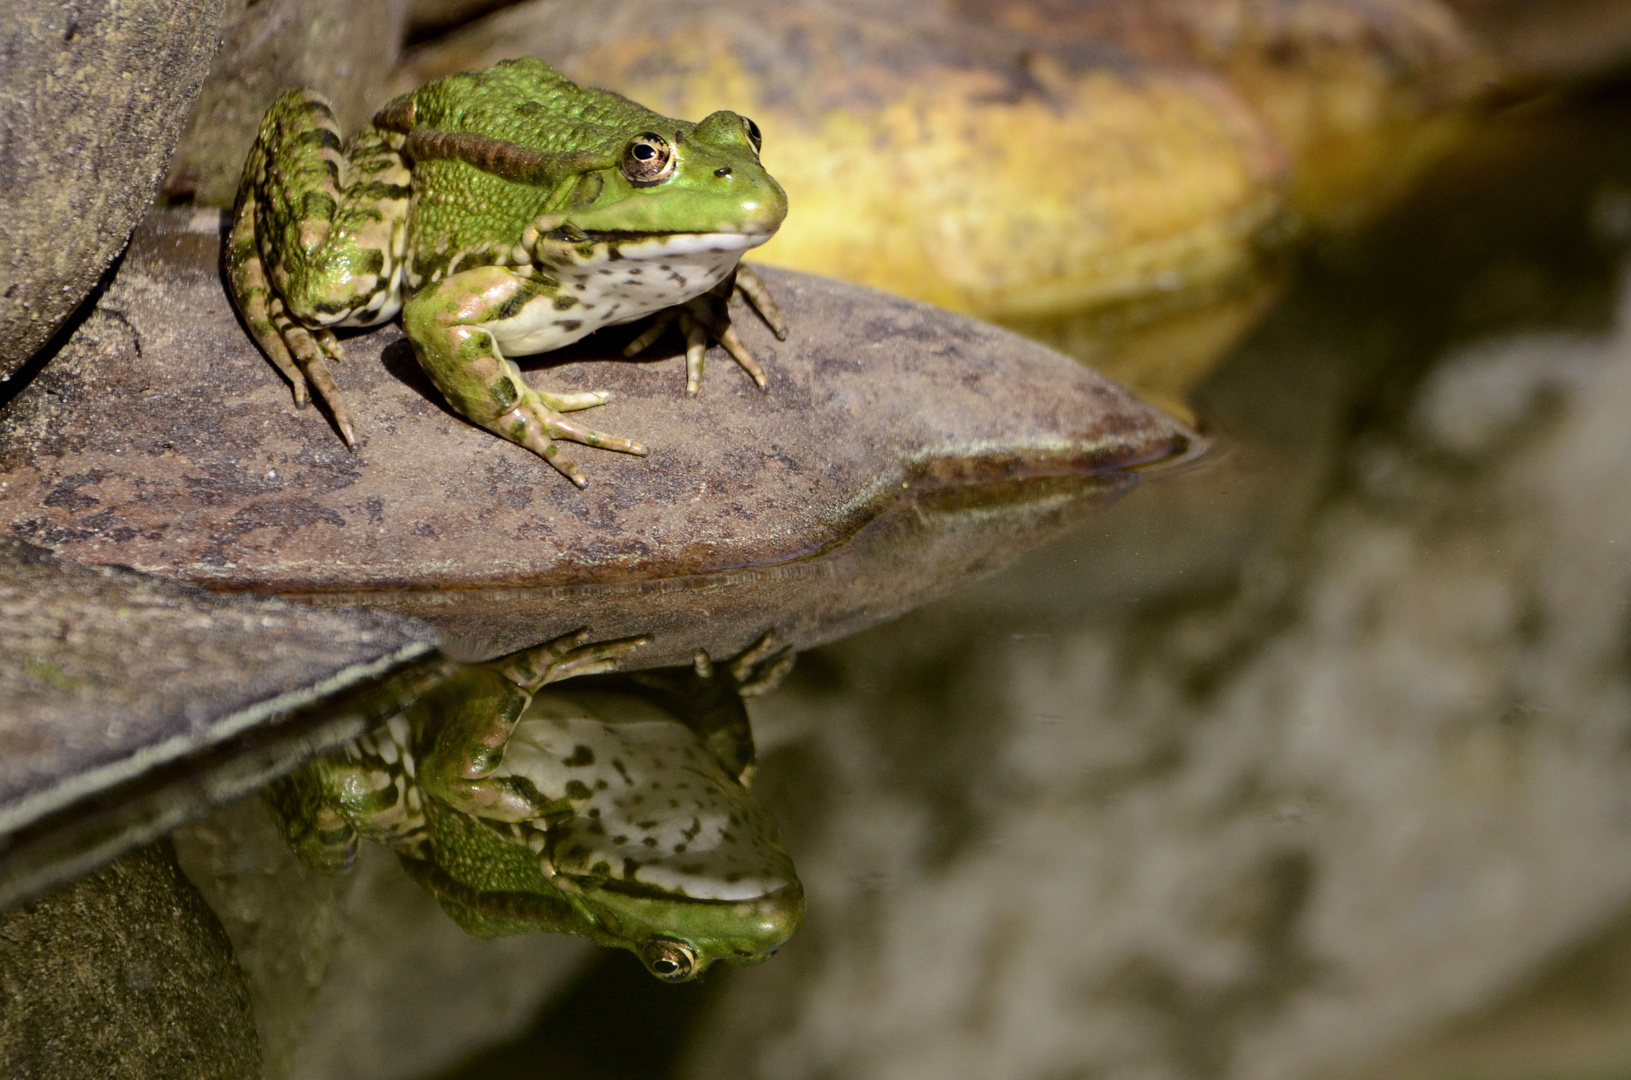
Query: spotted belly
{"points": [[613, 282]]}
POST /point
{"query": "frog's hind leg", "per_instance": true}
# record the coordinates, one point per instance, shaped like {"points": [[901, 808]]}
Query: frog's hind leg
{"points": [[317, 241], [256, 299]]}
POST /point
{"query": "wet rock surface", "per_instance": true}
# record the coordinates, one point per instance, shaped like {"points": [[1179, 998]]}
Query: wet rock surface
{"points": [[123, 975], [96, 95], [129, 704], [900, 449]]}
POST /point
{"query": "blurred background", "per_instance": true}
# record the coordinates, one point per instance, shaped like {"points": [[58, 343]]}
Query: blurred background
{"points": [[1311, 760]]}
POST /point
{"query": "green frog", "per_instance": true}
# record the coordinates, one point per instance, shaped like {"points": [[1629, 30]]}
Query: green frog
{"points": [[502, 212], [616, 808]]}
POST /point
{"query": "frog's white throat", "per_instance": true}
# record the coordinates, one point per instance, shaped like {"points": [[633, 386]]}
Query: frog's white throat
{"points": [[682, 245], [610, 281]]}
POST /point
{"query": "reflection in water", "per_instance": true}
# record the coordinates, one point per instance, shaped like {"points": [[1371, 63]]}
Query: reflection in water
{"points": [[613, 807]]}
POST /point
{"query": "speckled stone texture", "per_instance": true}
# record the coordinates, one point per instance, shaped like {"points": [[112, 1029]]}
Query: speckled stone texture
{"points": [[123, 975], [128, 704], [96, 93], [900, 450]]}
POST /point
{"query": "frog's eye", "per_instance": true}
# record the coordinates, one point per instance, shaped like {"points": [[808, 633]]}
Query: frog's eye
{"points": [[669, 960], [753, 134], [648, 160]]}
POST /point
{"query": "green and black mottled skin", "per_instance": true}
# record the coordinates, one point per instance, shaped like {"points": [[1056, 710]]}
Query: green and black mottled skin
{"points": [[502, 212], [488, 844]]}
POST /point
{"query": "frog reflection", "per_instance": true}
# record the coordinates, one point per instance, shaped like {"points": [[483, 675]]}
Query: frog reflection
{"points": [[614, 807]]}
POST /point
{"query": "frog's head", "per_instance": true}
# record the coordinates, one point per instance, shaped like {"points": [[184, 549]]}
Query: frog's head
{"points": [[674, 177], [678, 938]]}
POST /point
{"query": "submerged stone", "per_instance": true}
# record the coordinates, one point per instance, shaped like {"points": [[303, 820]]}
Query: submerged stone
{"points": [[900, 450], [125, 973], [128, 705]]}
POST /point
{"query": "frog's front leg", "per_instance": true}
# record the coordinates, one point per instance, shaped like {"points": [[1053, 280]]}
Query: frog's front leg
{"points": [[468, 744], [565, 657], [453, 328], [708, 317], [318, 238], [327, 803]]}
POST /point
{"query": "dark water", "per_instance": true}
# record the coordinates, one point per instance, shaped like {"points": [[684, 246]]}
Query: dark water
{"points": [[1315, 760]]}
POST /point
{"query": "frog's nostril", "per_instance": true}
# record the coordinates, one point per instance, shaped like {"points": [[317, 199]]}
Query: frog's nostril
{"points": [[722, 171]]}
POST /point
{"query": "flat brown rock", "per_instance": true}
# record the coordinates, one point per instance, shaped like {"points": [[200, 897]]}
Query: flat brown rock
{"points": [[128, 705], [900, 449]]}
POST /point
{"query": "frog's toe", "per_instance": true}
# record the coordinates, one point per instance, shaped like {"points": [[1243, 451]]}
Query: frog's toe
{"points": [[769, 677], [707, 318], [537, 427], [565, 657], [560, 427], [754, 290], [575, 402], [739, 352], [743, 665], [696, 351], [312, 352], [274, 347], [595, 658], [272, 326], [761, 667], [654, 330], [330, 345]]}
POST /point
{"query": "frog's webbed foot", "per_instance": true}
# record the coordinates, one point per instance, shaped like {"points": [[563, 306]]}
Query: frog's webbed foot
{"points": [[539, 423], [311, 351], [300, 353], [312, 826], [708, 699], [565, 657], [708, 317]]}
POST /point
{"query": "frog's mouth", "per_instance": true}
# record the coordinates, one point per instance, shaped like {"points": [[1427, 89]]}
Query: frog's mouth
{"points": [[643, 246], [764, 887]]}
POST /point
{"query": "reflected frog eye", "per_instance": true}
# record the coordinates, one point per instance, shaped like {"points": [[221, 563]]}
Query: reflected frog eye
{"points": [[753, 134], [648, 160], [669, 960]]}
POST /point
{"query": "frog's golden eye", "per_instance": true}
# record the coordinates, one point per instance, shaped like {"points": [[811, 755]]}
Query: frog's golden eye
{"points": [[648, 160], [669, 960], [753, 134]]}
